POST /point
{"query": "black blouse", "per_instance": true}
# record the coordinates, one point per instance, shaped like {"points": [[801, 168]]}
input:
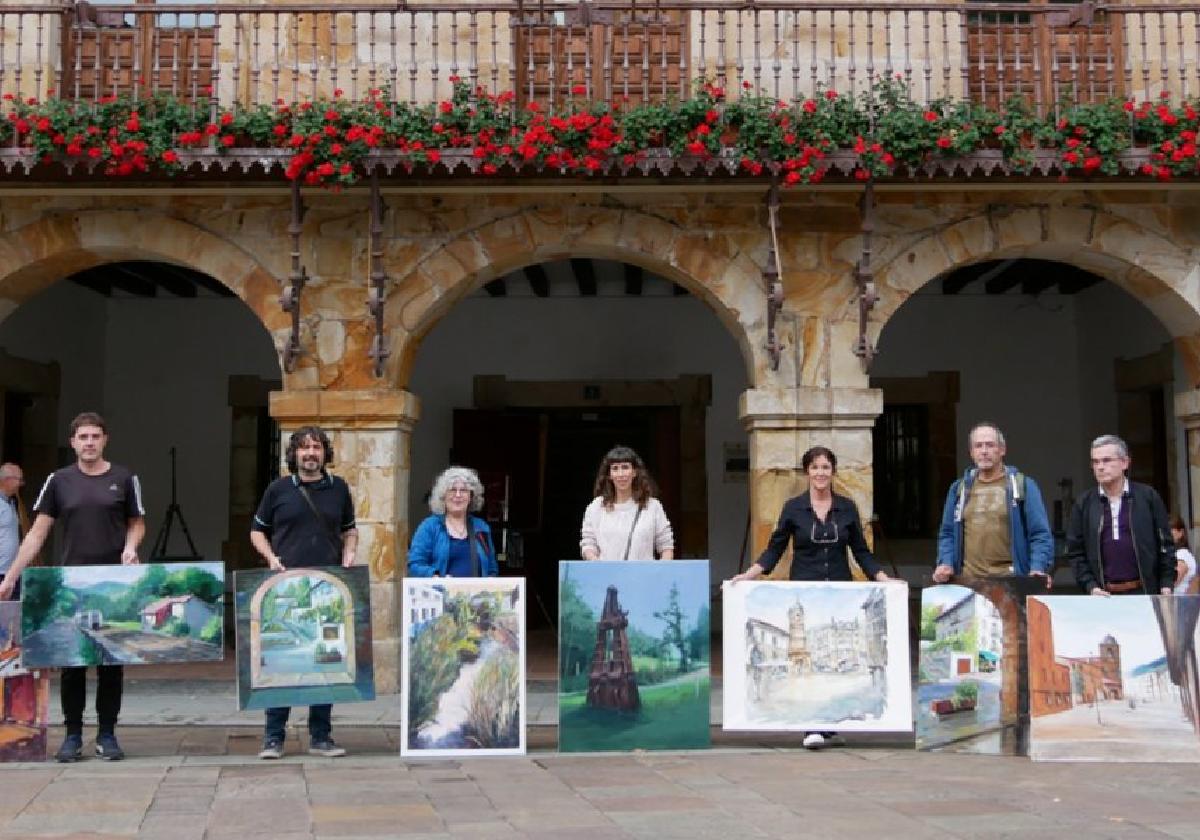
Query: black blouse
{"points": [[819, 547]]}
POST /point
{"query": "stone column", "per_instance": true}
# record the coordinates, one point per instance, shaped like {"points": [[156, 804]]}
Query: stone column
{"points": [[1187, 409], [370, 432], [784, 422]]}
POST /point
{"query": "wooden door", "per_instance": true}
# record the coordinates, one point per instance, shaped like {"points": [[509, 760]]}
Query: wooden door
{"points": [[619, 56], [1044, 57]]}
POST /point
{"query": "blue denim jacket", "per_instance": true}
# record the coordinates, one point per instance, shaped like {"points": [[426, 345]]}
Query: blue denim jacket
{"points": [[1031, 540], [430, 549]]}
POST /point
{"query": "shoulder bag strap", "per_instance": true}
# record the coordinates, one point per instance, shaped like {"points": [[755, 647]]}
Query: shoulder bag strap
{"points": [[336, 541], [475, 571], [632, 528]]}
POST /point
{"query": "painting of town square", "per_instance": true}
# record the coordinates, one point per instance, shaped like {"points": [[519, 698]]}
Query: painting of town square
{"points": [[816, 656], [303, 637], [463, 666], [634, 655], [122, 615], [24, 695], [973, 690], [1114, 679]]}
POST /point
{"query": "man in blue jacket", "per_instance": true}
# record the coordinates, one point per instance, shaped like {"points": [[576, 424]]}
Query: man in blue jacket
{"points": [[994, 522]]}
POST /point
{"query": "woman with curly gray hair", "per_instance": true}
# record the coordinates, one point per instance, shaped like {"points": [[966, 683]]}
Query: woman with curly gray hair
{"points": [[451, 542]]}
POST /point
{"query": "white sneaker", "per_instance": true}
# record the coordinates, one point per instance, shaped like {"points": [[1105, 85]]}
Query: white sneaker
{"points": [[814, 741]]}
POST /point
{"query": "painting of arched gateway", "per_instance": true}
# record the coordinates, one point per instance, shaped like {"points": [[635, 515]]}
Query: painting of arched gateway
{"points": [[463, 667], [1114, 679], [303, 637], [633, 655], [803, 656]]}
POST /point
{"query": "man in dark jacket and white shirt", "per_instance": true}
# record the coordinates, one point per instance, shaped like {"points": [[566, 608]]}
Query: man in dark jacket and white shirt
{"points": [[1119, 539]]}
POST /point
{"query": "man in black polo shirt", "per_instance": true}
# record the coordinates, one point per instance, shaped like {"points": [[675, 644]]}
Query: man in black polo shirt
{"points": [[1119, 540], [305, 520], [103, 522]]}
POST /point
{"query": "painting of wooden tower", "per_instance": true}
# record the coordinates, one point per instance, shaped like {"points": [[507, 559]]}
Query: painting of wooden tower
{"points": [[611, 682]]}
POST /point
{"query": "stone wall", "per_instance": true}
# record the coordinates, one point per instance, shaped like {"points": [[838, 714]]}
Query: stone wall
{"points": [[439, 248]]}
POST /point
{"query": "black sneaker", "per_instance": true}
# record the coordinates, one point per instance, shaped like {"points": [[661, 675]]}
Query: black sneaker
{"points": [[325, 747], [71, 749], [272, 748], [108, 748]]}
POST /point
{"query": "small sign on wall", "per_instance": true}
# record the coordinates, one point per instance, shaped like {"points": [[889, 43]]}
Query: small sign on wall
{"points": [[737, 463]]}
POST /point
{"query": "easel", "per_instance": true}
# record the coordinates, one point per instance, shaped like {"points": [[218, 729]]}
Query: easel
{"points": [[159, 552]]}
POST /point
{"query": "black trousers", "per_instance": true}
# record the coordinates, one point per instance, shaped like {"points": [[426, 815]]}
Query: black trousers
{"points": [[110, 680]]}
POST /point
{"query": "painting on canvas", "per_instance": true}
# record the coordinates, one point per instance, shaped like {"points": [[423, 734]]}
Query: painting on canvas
{"points": [[122, 615], [24, 695], [816, 657], [463, 666], [1114, 679], [303, 637], [633, 655], [973, 689]]}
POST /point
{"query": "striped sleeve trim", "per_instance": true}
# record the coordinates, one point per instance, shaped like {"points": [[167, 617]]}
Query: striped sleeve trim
{"points": [[137, 495], [37, 505]]}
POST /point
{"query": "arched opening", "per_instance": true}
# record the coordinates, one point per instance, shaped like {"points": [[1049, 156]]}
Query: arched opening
{"points": [[175, 361], [534, 375], [1055, 354]]}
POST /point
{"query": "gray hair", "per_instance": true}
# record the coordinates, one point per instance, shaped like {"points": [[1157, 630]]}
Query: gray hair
{"points": [[450, 477], [987, 424], [1112, 440]]}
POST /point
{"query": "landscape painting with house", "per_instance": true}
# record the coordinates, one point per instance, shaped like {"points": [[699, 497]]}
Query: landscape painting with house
{"points": [[304, 637], [813, 656], [633, 655], [1114, 679], [123, 615], [463, 666]]}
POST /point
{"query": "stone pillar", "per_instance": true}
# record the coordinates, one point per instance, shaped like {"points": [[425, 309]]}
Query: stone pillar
{"points": [[784, 422], [370, 432], [1187, 409]]}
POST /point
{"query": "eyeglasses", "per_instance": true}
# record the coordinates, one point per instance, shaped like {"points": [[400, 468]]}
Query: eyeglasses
{"points": [[824, 536], [459, 491]]}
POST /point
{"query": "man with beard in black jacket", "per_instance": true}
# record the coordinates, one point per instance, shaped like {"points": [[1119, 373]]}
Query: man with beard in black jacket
{"points": [[1119, 539]]}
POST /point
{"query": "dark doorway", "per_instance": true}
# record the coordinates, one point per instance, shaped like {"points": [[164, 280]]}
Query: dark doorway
{"points": [[539, 466]]}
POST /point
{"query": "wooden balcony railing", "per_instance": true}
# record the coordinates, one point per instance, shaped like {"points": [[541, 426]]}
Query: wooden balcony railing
{"points": [[243, 54]]}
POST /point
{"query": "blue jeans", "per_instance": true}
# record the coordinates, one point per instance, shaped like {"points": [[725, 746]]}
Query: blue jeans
{"points": [[319, 722]]}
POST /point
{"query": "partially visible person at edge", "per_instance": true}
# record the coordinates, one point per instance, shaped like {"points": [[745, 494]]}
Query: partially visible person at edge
{"points": [[451, 542], [103, 523], [994, 522], [305, 520], [1119, 540], [821, 525], [625, 521], [1185, 561], [11, 479]]}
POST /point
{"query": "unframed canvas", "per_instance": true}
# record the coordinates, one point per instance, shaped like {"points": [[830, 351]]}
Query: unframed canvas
{"points": [[303, 637], [24, 695], [633, 655], [142, 614], [463, 667], [1114, 679], [803, 656]]}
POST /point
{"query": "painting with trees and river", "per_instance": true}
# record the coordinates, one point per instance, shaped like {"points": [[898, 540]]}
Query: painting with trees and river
{"points": [[634, 655], [140, 614], [463, 667], [303, 637]]}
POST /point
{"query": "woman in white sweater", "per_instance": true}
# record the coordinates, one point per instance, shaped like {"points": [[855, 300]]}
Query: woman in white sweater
{"points": [[625, 521]]}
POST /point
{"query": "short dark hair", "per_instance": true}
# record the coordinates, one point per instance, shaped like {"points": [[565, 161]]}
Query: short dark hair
{"points": [[817, 452], [300, 437], [1177, 525], [642, 488], [87, 418]]}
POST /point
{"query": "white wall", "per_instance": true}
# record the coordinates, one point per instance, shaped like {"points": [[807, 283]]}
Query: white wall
{"points": [[607, 337], [1041, 367], [158, 370]]}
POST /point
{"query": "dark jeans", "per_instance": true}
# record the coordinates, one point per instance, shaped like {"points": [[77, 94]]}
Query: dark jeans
{"points": [[110, 680], [319, 723]]}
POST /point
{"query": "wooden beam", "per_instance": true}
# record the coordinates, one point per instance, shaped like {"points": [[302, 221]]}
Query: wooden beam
{"points": [[130, 282], [585, 276], [159, 274], [1001, 278], [538, 281], [956, 281], [93, 281], [497, 288], [633, 279], [211, 284]]}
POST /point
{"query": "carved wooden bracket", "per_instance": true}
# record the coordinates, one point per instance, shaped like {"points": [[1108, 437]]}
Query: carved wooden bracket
{"points": [[864, 278], [377, 282], [773, 275], [290, 299]]}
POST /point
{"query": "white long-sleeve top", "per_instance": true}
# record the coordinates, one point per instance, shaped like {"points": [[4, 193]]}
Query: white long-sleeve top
{"points": [[607, 530]]}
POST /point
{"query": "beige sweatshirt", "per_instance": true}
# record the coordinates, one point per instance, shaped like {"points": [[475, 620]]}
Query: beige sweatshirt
{"points": [[607, 530]]}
